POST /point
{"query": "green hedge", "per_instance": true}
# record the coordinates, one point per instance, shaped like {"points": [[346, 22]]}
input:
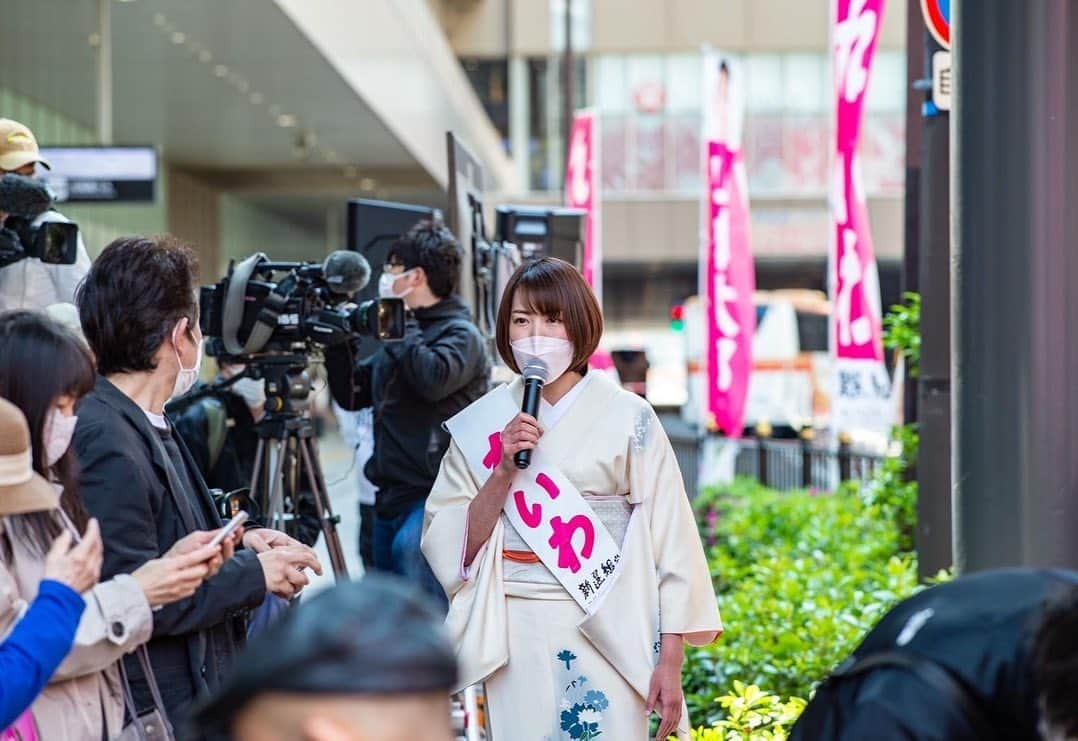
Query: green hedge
{"points": [[801, 578]]}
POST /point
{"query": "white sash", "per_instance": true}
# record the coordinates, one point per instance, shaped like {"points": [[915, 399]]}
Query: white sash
{"points": [[543, 506]]}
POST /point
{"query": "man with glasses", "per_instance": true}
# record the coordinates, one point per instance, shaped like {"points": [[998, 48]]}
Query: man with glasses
{"points": [[412, 387]]}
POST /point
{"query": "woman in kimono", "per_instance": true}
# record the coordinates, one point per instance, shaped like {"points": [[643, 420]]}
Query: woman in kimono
{"points": [[554, 668]]}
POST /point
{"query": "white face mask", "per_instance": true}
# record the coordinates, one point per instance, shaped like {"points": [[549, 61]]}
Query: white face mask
{"points": [[59, 429], [186, 378], [385, 285], [555, 353], [253, 391]]}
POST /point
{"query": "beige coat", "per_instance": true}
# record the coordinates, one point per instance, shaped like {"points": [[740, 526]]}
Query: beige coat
{"points": [[85, 693]]}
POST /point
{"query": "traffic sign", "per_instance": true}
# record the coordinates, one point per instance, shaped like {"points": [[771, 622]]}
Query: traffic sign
{"points": [[937, 15], [941, 80]]}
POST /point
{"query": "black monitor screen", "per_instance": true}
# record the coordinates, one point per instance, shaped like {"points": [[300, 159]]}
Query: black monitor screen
{"points": [[373, 226]]}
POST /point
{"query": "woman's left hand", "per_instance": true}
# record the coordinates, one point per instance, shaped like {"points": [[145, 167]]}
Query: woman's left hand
{"points": [[665, 695]]}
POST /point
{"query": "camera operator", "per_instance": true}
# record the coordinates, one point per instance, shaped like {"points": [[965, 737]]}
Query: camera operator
{"points": [[218, 426], [413, 386], [29, 283]]}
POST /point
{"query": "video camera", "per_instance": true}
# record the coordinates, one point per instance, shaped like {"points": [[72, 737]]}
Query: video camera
{"points": [[263, 309], [23, 199]]}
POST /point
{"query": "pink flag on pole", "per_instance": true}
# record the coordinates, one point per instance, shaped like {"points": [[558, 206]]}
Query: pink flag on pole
{"points": [[728, 275], [582, 181], [862, 388]]}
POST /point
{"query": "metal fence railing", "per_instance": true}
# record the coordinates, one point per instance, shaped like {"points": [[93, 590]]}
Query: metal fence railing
{"points": [[801, 464], [779, 464]]}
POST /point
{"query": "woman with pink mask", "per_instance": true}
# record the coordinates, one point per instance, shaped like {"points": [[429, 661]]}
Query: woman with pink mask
{"points": [[575, 582], [45, 370]]}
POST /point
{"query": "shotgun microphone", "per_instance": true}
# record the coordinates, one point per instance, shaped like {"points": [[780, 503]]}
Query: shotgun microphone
{"points": [[535, 374]]}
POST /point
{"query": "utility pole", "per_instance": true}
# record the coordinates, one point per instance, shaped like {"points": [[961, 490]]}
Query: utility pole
{"points": [[104, 72], [567, 86], [933, 533], [915, 34], [1015, 269]]}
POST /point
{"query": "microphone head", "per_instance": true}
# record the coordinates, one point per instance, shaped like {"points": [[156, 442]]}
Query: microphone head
{"points": [[535, 369], [346, 272]]}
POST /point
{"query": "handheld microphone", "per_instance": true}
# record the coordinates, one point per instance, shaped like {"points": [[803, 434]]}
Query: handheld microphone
{"points": [[535, 374]]}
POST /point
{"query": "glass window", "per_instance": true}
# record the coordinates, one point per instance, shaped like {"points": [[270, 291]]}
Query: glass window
{"points": [[650, 108], [545, 121], [683, 82], [615, 154], [684, 145], [763, 91], [649, 142], [805, 83], [611, 86], [538, 124], [490, 78], [647, 83], [581, 25], [887, 87]]}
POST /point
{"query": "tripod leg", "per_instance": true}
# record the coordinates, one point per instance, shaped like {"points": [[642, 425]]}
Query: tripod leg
{"points": [[257, 475], [275, 512], [325, 510]]}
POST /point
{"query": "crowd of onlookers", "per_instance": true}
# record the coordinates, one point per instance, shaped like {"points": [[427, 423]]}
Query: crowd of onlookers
{"points": [[119, 608]]}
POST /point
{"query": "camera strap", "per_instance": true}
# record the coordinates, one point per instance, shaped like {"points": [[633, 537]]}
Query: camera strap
{"points": [[265, 323]]}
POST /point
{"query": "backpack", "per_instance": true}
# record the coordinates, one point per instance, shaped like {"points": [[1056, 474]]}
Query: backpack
{"points": [[817, 721]]}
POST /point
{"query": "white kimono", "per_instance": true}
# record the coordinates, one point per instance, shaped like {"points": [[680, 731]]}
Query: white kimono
{"points": [[551, 670]]}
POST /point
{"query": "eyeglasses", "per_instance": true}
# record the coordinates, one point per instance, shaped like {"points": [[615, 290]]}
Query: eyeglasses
{"points": [[390, 267]]}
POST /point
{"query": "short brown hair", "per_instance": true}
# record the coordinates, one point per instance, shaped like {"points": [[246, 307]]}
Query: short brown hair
{"points": [[133, 296], [554, 288]]}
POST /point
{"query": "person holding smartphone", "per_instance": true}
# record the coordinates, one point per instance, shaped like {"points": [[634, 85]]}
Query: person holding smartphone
{"points": [[43, 635], [44, 371], [139, 313]]}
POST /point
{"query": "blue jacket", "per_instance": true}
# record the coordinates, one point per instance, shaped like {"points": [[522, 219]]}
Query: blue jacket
{"points": [[36, 646]]}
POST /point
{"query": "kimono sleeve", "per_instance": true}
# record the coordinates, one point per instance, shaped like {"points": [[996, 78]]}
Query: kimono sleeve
{"points": [[445, 522], [687, 604]]}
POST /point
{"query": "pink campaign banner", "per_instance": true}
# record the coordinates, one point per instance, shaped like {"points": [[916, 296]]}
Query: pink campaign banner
{"points": [[582, 191], [731, 280], [861, 400], [856, 317]]}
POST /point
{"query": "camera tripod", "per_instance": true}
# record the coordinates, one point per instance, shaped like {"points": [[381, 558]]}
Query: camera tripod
{"points": [[287, 452]]}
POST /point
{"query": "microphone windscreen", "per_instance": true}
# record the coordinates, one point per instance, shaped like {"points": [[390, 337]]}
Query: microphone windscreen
{"points": [[23, 196], [535, 369], [346, 272]]}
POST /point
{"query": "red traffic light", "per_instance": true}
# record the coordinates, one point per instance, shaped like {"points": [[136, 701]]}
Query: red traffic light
{"points": [[677, 313]]}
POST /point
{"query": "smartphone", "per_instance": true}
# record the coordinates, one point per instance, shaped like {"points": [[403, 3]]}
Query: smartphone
{"points": [[230, 528]]}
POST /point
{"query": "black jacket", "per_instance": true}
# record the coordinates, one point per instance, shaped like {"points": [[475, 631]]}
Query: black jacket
{"points": [[224, 418], [125, 486], [440, 367], [977, 628]]}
